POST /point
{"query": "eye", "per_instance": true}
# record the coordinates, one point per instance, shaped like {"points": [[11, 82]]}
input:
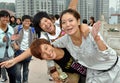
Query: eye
{"points": [[45, 20], [70, 20], [63, 22]]}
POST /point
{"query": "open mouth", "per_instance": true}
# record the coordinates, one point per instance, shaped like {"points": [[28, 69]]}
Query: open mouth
{"points": [[69, 30]]}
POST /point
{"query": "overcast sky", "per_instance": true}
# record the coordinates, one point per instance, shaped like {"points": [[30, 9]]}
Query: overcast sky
{"points": [[112, 2], [7, 1]]}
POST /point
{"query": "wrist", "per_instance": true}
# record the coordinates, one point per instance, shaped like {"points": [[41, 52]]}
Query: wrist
{"points": [[97, 38], [52, 70]]}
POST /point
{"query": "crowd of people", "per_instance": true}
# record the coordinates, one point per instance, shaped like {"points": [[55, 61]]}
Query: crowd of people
{"points": [[85, 58]]}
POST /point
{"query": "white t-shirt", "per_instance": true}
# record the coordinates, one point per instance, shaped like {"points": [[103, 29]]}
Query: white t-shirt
{"points": [[25, 43], [57, 33]]}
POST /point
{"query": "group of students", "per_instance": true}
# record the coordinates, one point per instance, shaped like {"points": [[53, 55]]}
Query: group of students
{"points": [[11, 48], [81, 53]]}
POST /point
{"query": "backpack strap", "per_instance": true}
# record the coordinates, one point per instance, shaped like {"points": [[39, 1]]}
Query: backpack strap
{"points": [[19, 28], [33, 29]]}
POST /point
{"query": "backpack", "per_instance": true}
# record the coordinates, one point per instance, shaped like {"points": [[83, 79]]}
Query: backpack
{"points": [[20, 27]]}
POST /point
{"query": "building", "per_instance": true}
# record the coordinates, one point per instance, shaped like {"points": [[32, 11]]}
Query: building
{"points": [[95, 8], [114, 19], [31, 7], [86, 8], [118, 7]]}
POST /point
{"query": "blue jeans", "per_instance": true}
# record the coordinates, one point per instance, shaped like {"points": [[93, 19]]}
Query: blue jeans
{"points": [[19, 66], [3, 73], [11, 74]]}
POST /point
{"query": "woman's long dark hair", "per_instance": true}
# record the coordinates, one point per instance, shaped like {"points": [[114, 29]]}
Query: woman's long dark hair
{"points": [[36, 21]]}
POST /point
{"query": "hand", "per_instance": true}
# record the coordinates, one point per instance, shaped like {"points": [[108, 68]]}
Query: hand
{"points": [[95, 29], [55, 76], [7, 64], [15, 46], [15, 37], [4, 39]]}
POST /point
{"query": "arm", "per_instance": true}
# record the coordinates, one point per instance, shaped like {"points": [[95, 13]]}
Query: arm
{"points": [[60, 42], [73, 4], [17, 59], [101, 45], [97, 37]]}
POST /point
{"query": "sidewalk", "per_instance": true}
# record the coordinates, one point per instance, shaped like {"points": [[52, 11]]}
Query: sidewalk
{"points": [[38, 72]]}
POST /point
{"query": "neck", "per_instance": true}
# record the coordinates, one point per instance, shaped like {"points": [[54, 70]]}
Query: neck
{"points": [[26, 28], [59, 53], [53, 32], [76, 36], [3, 26]]}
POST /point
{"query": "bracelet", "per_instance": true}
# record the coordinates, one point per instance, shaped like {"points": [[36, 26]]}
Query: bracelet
{"points": [[52, 70]]}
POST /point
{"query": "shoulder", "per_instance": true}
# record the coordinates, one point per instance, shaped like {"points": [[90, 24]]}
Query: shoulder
{"points": [[10, 29]]}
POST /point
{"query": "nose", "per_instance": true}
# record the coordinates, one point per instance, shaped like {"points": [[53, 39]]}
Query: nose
{"points": [[48, 52], [67, 23]]}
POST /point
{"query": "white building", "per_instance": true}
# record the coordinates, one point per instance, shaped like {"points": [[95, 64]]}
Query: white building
{"points": [[114, 19], [31, 7], [95, 8]]}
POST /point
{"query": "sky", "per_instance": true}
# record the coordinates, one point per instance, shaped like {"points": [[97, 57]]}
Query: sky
{"points": [[13, 1], [112, 2]]}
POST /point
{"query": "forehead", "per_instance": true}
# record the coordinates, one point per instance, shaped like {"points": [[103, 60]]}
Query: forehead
{"points": [[27, 20], [67, 15], [43, 19]]}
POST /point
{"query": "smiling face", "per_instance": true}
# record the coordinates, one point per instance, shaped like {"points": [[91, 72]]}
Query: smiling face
{"points": [[70, 24], [47, 52], [4, 20], [26, 23], [47, 25], [70, 21]]}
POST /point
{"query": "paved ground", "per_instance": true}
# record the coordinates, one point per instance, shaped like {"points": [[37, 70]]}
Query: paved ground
{"points": [[38, 72]]}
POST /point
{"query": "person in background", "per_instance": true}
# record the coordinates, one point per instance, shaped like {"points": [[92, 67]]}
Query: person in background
{"points": [[92, 21], [84, 21], [18, 21], [26, 35], [12, 21], [57, 16], [6, 51]]}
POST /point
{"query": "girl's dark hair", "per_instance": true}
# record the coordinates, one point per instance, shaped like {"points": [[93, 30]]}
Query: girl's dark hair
{"points": [[35, 47], [70, 11], [4, 13], [36, 21], [14, 18]]}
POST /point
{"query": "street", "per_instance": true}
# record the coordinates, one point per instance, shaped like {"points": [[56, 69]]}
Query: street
{"points": [[37, 72]]}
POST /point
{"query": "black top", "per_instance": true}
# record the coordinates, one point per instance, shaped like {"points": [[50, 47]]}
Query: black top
{"points": [[68, 64]]}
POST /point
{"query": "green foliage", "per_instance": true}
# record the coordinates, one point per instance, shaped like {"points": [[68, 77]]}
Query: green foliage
{"points": [[8, 6]]}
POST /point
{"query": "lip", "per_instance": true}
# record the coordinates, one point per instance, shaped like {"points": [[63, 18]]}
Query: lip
{"points": [[69, 30], [49, 28]]}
